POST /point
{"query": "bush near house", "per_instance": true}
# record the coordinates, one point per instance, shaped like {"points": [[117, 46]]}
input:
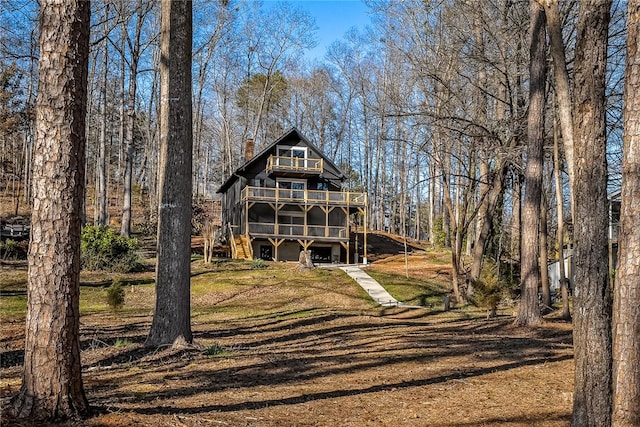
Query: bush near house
{"points": [[103, 249]]}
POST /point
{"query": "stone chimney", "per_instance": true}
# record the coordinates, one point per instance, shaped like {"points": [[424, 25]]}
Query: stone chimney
{"points": [[249, 146]]}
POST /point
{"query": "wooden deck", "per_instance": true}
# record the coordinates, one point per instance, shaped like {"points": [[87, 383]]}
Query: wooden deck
{"points": [[308, 197]]}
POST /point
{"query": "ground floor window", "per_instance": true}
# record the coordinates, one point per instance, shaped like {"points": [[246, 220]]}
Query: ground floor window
{"points": [[321, 254], [266, 252]]}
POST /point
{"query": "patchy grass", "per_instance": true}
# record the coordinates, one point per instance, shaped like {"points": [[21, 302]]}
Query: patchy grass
{"points": [[122, 342], [15, 305], [413, 291]]}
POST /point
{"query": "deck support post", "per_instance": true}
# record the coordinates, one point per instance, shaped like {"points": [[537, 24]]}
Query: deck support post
{"points": [[276, 244]]}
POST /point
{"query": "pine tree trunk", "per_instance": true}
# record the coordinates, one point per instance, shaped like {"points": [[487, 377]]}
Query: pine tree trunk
{"points": [[529, 310], [51, 381], [626, 307], [171, 320], [592, 296]]}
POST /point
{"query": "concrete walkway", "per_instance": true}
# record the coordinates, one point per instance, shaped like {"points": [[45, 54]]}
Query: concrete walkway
{"points": [[373, 288]]}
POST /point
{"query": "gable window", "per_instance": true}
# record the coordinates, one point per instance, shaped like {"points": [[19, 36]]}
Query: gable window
{"points": [[292, 157], [297, 152]]}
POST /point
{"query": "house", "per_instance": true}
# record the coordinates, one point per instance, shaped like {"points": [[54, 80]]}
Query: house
{"points": [[289, 198], [614, 200]]}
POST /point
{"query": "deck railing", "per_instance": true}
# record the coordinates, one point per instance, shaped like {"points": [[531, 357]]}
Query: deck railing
{"points": [[340, 198], [297, 230], [294, 164]]}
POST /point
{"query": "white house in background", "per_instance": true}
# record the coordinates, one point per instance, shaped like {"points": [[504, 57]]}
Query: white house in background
{"points": [[614, 222]]}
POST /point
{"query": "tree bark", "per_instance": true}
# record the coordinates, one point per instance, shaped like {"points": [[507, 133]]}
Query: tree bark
{"points": [[592, 296], [171, 320], [51, 381], [626, 306], [529, 309]]}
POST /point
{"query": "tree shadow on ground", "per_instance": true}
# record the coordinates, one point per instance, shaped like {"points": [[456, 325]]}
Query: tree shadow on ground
{"points": [[254, 405], [292, 357]]}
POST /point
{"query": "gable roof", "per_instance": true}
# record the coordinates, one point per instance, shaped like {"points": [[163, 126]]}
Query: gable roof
{"points": [[265, 152]]}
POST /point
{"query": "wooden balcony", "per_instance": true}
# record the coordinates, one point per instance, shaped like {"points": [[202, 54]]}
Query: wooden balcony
{"points": [[294, 166], [309, 197]]}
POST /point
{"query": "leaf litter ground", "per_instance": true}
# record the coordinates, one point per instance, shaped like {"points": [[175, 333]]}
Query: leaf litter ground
{"points": [[277, 347]]}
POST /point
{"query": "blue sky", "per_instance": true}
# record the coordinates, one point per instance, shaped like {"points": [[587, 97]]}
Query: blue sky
{"points": [[333, 18]]}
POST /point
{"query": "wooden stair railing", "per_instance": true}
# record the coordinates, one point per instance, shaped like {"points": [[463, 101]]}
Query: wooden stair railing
{"points": [[240, 246]]}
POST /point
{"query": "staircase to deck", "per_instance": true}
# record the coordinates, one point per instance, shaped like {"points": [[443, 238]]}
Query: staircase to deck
{"points": [[242, 247]]}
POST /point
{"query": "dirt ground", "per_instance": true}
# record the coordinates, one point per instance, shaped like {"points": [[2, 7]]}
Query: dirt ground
{"points": [[325, 358]]}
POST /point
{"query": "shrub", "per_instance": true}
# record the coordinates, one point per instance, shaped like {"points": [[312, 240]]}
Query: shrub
{"points": [[215, 350], [8, 248], [439, 233], [258, 264], [115, 295], [102, 249], [490, 288]]}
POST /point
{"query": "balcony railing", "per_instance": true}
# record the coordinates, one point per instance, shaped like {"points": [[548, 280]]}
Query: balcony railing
{"points": [[295, 165], [257, 229], [320, 197]]}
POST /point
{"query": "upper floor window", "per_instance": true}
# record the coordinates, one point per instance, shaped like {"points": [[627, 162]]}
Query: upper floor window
{"points": [[297, 152]]}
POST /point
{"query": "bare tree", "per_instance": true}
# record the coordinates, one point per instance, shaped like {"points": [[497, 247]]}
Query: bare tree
{"points": [[52, 381], [172, 316], [101, 213], [529, 309], [592, 296], [626, 307], [135, 47], [562, 86], [279, 36]]}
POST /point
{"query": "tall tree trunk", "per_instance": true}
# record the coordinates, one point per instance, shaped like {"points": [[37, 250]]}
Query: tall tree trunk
{"points": [[563, 88], [51, 380], [127, 206], [122, 123], [544, 255], [592, 296], [557, 173], [456, 248], [171, 319], [626, 307], [432, 202], [529, 310], [516, 217], [486, 211], [127, 214], [101, 193]]}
